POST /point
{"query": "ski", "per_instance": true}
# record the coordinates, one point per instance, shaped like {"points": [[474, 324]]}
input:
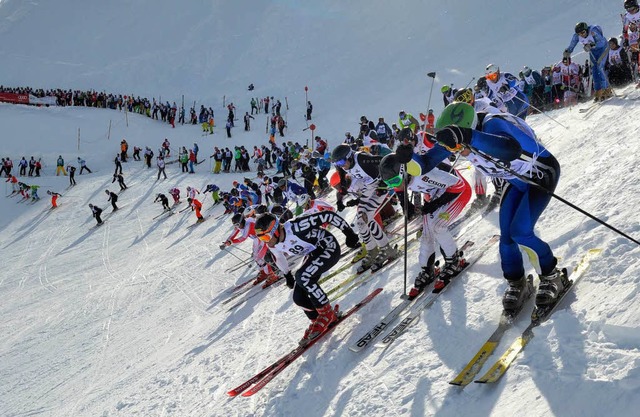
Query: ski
{"points": [[465, 377], [163, 213], [538, 316], [262, 378], [258, 289], [431, 297]]}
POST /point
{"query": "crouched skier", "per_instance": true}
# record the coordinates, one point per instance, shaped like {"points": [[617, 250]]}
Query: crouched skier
{"points": [[304, 236]]}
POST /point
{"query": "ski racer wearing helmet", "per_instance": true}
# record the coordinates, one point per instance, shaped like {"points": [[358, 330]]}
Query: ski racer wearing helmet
{"points": [[243, 228], [630, 31], [445, 194], [596, 45], [290, 191], [501, 145], [313, 205], [363, 168], [503, 89], [304, 236]]}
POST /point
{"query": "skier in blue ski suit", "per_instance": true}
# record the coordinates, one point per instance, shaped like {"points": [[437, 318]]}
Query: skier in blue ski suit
{"points": [[513, 145], [598, 48]]}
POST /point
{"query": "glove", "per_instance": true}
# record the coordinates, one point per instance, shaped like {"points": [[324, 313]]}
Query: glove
{"points": [[625, 43], [588, 46], [223, 246], [289, 280], [454, 138], [352, 239], [504, 89], [340, 205], [353, 202], [428, 208]]}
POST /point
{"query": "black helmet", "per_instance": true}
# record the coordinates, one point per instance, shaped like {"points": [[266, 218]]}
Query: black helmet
{"points": [[482, 83], [238, 220], [277, 209], [373, 135], [581, 27], [389, 166], [266, 223], [261, 209], [406, 134], [630, 4], [404, 153], [464, 95], [341, 153]]}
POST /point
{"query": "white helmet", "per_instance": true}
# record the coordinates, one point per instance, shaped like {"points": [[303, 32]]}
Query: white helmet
{"points": [[304, 199], [249, 212]]}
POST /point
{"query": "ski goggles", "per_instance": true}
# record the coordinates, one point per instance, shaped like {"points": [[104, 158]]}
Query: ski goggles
{"points": [[267, 235], [344, 160], [493, 77], [394, 182]]}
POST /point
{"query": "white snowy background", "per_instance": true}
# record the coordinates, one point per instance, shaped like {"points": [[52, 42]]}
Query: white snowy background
{"points": [[126, 319]]}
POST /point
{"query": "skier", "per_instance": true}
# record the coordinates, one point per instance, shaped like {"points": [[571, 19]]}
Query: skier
{"points": [[23, 164], [303, 236], [446, 193], [72, 175], [247, 121], [113, 197], [183, 158], [191, 192], [243, 228], [136, 153], [96, 212], [290, 191], [83, 165], [160, 163], [364, 169], [38, 166], [148, 154], [166, 148], [485, 139], [118, 165], [54, 198], [14, 184], [192, 161], [595, 45], [310, 206], [175, 193], [504, 90], [618, 68], [214, 192], [197, 206], [309, 110], [120, 179], [164, 200], [407, 120], [34, 193], [60, 166]]}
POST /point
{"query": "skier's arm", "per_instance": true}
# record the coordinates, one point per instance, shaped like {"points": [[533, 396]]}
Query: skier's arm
{"points": [[573, 43]]}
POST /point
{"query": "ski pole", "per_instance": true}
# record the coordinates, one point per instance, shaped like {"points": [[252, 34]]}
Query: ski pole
{"points": [[469, 83], [540, 111], [405, 206], [232, 254], [431, 75], [241, 250], [504, 166]]}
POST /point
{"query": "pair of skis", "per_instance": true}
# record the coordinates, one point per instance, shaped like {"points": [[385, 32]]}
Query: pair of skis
{"points": [[254, 384], [538, 316], [421, 302]]}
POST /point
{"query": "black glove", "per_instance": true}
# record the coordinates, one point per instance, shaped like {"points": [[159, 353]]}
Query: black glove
{"points": [[504, 89], [429, 208], [289, 280], [352, 239], [223, 246], [340, 205], [353, 202], [454, 138], [380, 191], [625, 43]]}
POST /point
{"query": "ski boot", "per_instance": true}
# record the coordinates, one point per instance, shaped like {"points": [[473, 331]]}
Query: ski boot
{"points": [[200, 220], [452, 267], [387, 254], [362, 252], [368, 260], [271, 279], [515, 295], [424, 278], [326, 316], [551, 285], [260, 277]]}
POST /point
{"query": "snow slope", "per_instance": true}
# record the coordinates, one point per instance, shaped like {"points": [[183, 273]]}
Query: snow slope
{"points": [[126, 319]]}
